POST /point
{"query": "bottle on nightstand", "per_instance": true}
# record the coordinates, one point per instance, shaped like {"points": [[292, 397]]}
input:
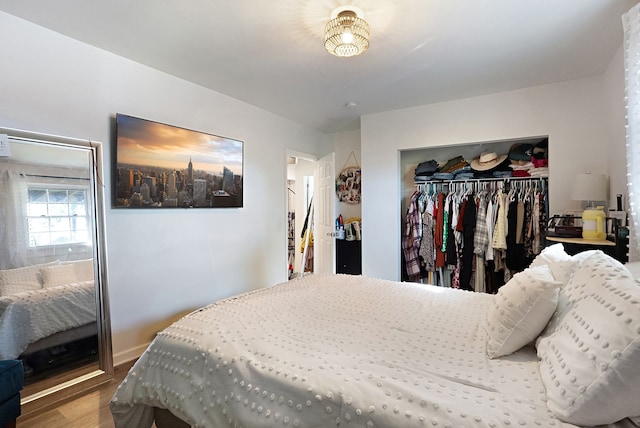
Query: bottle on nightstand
{"points": [[593, 223]]}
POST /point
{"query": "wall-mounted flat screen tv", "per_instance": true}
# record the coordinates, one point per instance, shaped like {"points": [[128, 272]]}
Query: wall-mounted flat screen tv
{"points": [[165, 166]]}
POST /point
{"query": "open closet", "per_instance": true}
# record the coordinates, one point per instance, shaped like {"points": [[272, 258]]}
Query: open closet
{"points": [[473, 215]]}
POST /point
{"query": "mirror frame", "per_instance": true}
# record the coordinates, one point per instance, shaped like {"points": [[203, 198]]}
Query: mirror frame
{"points": [[54, 395]]}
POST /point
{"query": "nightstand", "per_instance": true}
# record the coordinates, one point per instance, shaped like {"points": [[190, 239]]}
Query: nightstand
{"points": [[576, 245]]}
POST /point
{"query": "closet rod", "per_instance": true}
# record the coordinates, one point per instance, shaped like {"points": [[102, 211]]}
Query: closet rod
{"points": [[481, 180], [475, 183]]}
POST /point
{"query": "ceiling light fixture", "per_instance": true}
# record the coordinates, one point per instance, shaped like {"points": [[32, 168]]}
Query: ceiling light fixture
{"points": [[346, 34]]}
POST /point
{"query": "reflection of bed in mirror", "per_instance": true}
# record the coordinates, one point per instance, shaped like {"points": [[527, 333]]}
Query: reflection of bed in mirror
{"points": [[53, 306], [47, 289], [45, 307]]}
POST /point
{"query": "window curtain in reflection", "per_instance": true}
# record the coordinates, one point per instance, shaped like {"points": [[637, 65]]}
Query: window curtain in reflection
{"points": [[13, 194], [631, 25]]}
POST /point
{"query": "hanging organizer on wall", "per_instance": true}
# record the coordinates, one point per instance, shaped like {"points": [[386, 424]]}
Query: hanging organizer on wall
{"points": [[348, 182]]}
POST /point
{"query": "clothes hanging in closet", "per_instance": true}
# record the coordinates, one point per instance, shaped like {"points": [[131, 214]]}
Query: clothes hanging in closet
{"points": [[468, 226], [411, 238], [473, 235]]}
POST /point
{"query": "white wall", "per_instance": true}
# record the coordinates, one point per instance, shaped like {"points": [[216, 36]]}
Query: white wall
{"points": [[573, 115], [162, 264]]}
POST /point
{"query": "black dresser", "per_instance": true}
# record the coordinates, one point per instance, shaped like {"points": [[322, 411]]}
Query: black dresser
{"points": [[348, 257]]}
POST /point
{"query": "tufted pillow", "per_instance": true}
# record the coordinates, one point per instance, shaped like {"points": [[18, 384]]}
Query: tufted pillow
{"points": [[58, 275], [26, 277], [521, 310], [634, 268], [598, 265], [83, 269], [589, 362], [583, 255], [562, 270], [19, 279], [549, 254]]}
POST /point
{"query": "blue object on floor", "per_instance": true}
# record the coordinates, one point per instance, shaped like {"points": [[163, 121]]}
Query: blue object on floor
{"points": [[11, 383]]}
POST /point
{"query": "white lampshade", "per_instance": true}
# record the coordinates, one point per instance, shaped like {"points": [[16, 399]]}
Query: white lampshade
{"points": [[589, 187]]}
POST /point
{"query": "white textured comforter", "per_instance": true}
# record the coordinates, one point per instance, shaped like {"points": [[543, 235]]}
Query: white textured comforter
{"points": [[32, 315], [335, 351]]}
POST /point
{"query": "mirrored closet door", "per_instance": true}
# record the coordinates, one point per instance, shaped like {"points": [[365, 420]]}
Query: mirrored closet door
{"points": [[53, 301]]}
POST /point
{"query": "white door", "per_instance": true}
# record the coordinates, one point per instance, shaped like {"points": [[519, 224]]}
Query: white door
{"points": [[324, 218]]}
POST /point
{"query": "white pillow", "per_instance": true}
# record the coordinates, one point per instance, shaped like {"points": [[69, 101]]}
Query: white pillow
{"points": [[590, 362], [549, 254], [521, 310], [21, 279], [563, 265], [597, 264], [562, 270], [54, 276], [26, 276], [583, 255], [634, 268], [84, 269]]}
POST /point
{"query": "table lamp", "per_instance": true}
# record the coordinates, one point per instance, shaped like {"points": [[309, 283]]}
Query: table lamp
{"points": [[591, 188]]}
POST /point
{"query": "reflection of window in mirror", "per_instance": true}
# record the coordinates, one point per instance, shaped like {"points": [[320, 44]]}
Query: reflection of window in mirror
{"points": [[57, 216], [50, 302]]}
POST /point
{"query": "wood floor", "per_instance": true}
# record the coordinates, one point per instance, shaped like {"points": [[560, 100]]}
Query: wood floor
{"points": [[88, 411]]}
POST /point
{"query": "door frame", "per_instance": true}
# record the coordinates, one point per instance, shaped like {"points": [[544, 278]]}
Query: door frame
{"points": [[301, 155]]}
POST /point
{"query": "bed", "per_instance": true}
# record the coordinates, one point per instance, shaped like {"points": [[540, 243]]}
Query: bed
{"points": [[46, 305], [558, 346]]}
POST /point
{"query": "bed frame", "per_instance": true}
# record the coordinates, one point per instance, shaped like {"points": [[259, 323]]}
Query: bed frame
{"points": [[165, 419], [62, 337]]}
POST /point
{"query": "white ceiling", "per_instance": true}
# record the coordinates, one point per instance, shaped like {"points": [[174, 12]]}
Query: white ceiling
{"points": [[271, 53]]}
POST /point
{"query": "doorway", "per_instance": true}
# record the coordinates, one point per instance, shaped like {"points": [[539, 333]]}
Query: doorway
{"points": [[301, 170], [310, 199]]}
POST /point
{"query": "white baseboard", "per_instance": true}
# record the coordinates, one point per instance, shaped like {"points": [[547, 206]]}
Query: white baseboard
{"points": [[129, 354]]}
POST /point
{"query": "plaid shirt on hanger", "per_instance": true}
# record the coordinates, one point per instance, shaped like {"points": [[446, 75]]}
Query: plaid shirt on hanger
{"points": [[411, 238]]}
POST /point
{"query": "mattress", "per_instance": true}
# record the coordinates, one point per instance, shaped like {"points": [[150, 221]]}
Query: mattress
{"points": [[335, 350], [29, 316]]}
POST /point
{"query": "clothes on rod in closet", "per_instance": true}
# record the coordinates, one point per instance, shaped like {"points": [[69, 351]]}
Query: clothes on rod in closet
{"points": [[473, 235]]}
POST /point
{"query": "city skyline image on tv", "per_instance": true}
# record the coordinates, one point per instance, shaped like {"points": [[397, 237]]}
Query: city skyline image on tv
{"points": [[165, 166]]}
